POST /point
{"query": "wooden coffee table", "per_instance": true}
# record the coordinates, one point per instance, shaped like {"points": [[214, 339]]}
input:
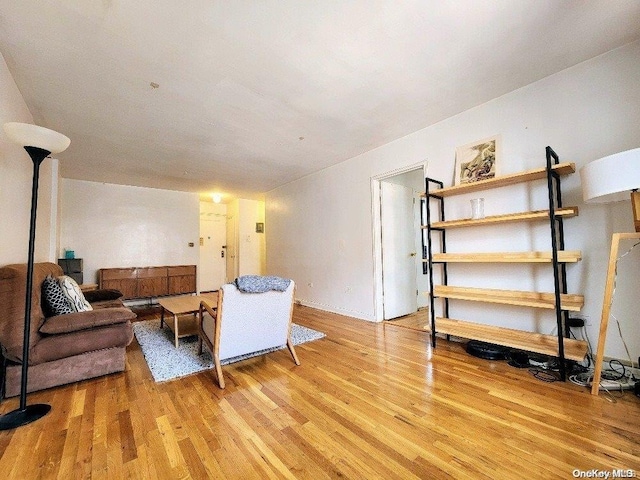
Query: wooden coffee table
{"points": [[184, 310]]}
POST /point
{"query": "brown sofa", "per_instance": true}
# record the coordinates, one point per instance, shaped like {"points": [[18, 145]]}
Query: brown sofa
{"points": [[62, 349]]}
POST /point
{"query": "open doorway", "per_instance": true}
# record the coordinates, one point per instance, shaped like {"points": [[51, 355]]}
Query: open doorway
{"points": [[400, 283]]}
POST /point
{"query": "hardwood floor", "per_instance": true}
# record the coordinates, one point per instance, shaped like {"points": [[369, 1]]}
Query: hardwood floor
{"points": [[367, 402]]}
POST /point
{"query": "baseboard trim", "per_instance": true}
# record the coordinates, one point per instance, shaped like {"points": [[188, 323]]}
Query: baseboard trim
{"points": [[338, 310]]}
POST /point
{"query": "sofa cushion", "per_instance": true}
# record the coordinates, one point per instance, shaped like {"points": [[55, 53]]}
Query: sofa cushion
{"points": [[54, 301], [76, 321], [54, 347], [73, 293]]}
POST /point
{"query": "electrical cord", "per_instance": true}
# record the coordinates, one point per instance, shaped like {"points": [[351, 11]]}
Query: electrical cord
{"points": [[586, 379], [611, 376], [589, 355], [548, 376], [590, 360], [612, 373]]}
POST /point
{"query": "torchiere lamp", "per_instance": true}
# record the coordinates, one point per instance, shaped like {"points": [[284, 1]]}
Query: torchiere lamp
{"points": [[39, 142], [610, 179]]}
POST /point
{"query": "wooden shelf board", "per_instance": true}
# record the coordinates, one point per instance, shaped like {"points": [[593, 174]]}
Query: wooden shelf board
{"points": [[508, 337], [504, 180], [564, 256], [532, 216], [569, 302]]}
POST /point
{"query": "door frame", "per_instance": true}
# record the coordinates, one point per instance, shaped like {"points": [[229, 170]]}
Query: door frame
{"points": [[378, 297]]}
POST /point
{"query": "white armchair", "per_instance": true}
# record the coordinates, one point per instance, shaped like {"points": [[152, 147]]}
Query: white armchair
{"points": [[246, 323]]}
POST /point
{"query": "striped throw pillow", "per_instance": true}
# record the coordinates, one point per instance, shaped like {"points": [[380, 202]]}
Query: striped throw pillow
{"points": [[74, 294]]}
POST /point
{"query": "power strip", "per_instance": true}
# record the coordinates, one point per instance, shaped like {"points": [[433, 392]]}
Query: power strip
{"points": [[585, 379], [616, 385]]}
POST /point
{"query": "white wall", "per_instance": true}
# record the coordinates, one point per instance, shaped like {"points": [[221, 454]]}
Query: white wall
{"points": [[121, 226], [320, 227], [251, 244], [233, 212], [16, 173]]}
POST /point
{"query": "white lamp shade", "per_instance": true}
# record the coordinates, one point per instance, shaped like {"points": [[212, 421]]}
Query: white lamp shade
{"points": [[29, 135], [610, 179]]}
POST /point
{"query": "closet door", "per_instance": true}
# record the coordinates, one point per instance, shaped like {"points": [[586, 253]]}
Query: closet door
{"points": [[398, 250]]}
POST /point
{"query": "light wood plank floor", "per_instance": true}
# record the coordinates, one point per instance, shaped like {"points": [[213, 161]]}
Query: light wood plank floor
{"points": [[367, 402]]}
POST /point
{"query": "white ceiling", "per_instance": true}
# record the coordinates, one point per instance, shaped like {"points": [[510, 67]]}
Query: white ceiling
{"points": [[255, 94]]}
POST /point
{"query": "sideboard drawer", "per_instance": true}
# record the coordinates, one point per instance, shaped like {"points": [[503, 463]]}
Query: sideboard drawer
{"points": [[151, 272], [128, 286], [182, 270], [117, 273]]}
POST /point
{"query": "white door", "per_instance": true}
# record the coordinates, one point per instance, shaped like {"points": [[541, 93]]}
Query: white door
{"points": [[212, 268], [398, 250]]}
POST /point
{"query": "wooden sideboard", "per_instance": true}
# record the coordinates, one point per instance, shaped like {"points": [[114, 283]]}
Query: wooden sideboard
{"points": [[144, 282]]}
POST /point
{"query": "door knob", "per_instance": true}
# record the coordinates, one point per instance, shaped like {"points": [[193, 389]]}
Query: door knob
{"points": [[413, 254]]}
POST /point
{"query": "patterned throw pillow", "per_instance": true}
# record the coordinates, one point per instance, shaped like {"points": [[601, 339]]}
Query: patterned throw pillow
{"points": [[74, 294], [54, 301]]}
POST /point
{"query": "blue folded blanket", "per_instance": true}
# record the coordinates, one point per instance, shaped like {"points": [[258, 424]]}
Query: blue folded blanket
{"points": [[259, 284]]}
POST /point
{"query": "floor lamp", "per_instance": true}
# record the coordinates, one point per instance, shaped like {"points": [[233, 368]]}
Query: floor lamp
{"points": [[610, 179], [39, 142]]}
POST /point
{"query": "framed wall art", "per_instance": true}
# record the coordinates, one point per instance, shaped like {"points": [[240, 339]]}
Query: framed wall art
{"points": [[478, 161]]}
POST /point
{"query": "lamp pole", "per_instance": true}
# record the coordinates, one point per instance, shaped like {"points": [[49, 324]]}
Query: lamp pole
{"points": [[28, 413]]}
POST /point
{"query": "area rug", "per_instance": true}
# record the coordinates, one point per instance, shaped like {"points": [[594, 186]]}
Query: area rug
{"points": [[167, 362]]}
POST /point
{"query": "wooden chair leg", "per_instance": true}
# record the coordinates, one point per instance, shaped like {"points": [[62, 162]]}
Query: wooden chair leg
{"points": [[216, 361], [293, 351]]}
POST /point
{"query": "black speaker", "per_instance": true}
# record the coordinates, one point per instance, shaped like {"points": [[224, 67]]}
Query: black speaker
{"points": [[73, 268]]}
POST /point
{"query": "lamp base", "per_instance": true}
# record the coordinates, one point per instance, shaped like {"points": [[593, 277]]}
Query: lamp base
{"points": [[17, 418]]}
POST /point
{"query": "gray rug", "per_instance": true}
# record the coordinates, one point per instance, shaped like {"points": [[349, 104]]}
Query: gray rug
{"points": [[167, 362]]}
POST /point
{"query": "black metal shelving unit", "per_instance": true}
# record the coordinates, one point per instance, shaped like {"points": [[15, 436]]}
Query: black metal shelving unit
{"points": [[429, 196], [556, 223]]}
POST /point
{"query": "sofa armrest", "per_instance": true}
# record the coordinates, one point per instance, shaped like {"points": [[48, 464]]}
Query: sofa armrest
{"points": [[73, 322]]}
